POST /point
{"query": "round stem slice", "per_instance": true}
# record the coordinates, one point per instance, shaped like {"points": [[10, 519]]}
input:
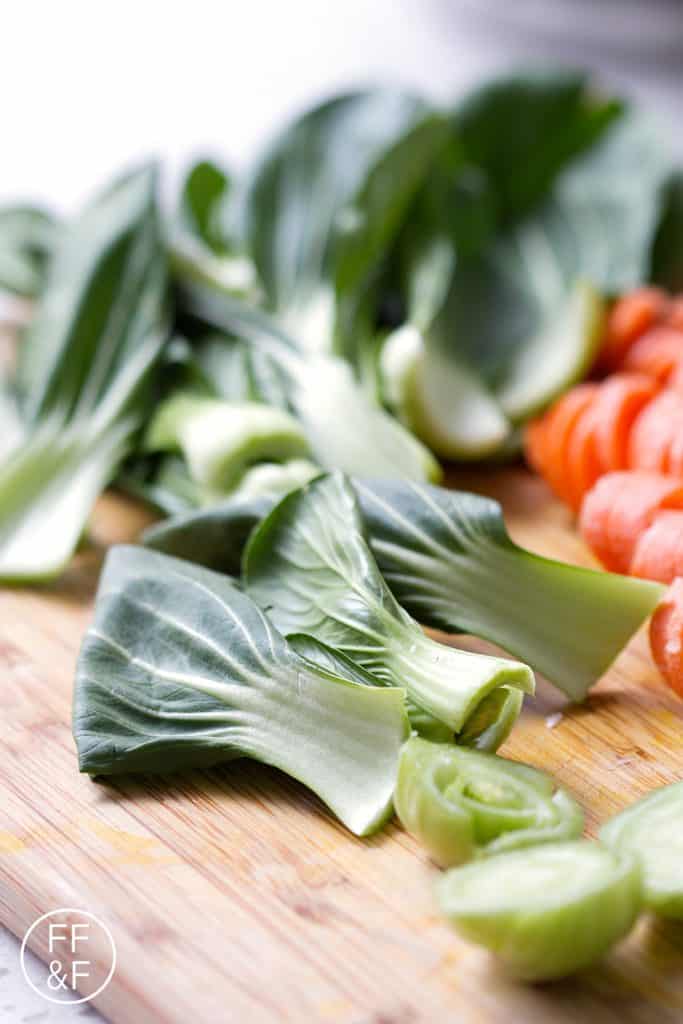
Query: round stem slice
{"points": [[462, 803], [651, 830], [546, 911]]}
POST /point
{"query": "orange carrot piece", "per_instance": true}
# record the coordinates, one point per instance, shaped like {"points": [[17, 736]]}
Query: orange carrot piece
{"points": [[621, 398], [656, 353], [583, 463], [562, 419], [654, 431], [658, 553], [666, 636], [674, 314], [630, 316], [619, 508]]}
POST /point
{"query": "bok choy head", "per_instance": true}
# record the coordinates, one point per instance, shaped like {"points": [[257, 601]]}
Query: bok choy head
{"points": [[309, 566], [181, 669]]}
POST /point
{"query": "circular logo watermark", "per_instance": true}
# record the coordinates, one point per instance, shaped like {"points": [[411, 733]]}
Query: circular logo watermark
{"points": [[80, 952]]}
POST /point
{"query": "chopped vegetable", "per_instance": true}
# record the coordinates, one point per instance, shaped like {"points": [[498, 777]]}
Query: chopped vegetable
{"points": [[658, 353], [309, 566], [650, 830], [27, 237], [666, 636], [620, 507], [181, 669], [546, 911], [83, 378], [220, 440], [323, 393], [658, 554], [447, 557], [631, 315], [462, 803]]}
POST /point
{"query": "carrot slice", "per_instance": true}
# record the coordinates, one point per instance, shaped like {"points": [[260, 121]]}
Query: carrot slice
{"points": [[656, 353], [561, 422], [630, 316], [666, 636], [583, 463], [654, 431], [621, 398], [619, 508], [658, 554], [674, 315]]}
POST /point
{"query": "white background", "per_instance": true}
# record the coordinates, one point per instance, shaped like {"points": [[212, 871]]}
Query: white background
{"points": [[87, 87]]}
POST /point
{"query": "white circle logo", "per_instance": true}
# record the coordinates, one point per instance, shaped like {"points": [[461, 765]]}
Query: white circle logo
{"points": [[79, 953]]}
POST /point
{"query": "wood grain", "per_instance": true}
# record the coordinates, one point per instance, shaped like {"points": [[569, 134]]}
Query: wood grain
{"points": [[233, 895]]}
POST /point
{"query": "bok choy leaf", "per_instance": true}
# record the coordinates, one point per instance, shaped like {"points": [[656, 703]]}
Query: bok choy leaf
{"points": [[448, 559], [180, 669], [27, 238], [345, 429], [309, 566], [84, 367]]}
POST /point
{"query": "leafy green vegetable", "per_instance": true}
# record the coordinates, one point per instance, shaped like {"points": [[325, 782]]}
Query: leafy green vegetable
{"points": [[297, 199], [84, 368], [181, 669], [203, 197], [546, 911], [27, 238], [323, 393], [308, 565], [219, 440], [523, 129], [463, 803], [667, 253], [448, 559], [522, 318], [651, 831]]}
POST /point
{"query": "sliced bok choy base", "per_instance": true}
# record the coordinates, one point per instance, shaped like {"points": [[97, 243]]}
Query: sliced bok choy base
{"points": [[181, 669], [652, 831], [309, 566], [449, 561], [463, 803], [546, 911]]}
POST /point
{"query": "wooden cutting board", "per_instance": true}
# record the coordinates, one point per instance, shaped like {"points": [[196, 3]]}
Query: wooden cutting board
{"points": [[232, 894]]}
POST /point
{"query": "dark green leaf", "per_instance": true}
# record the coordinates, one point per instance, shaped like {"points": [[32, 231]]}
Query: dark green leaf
{"points": [[181, 669]]}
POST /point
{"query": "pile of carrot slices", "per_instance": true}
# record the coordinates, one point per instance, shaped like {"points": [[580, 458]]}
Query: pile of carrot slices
{"points": [[612, 449]]}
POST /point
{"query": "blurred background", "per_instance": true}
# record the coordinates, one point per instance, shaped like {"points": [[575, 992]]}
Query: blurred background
{"points": [[90, 87]]}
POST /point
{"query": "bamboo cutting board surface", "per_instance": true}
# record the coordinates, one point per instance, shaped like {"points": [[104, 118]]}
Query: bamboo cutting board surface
{"points": [[232, 894]]}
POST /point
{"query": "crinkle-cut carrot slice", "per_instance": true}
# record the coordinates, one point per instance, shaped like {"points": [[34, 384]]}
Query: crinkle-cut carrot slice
{"points": [[535, 434], [658, 553], [666, 636], [674, 313], [620, 399], [656, 353], [619, 508], [654, 430], [583, 463], [630, 316], [561, 422]]}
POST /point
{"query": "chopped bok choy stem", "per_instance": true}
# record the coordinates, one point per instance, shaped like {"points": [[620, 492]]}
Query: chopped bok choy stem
{"points": [[651, 830], [309, 566], [546, 911]]}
